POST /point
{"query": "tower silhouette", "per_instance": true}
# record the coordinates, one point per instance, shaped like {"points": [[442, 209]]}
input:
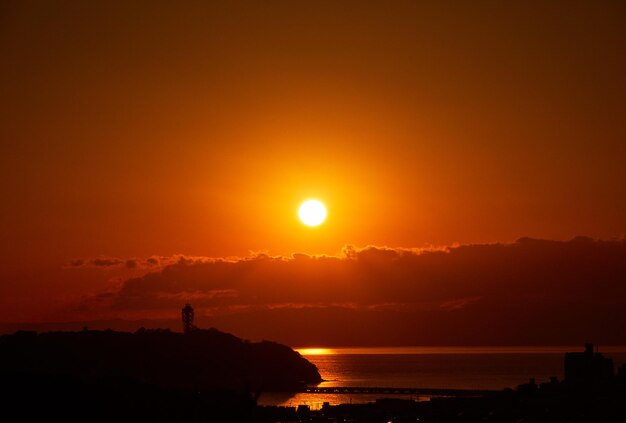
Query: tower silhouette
{"points": [[187, 314]]}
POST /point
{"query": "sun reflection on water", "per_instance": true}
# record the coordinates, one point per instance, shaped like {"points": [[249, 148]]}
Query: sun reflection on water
{"points": [[315, 351]]}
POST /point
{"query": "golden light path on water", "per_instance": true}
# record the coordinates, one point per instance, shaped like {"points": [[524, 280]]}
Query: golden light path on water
{"points": [[317, 401]]}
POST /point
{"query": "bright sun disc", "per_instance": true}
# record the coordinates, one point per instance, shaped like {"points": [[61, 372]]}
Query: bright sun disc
{"points": [[312, 213]]}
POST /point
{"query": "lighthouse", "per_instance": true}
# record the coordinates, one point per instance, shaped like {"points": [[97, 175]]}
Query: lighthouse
{"points": [[187, 314]]}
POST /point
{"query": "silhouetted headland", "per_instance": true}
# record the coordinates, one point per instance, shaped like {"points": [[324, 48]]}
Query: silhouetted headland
{"points": [[202, 359], [147, 374]]}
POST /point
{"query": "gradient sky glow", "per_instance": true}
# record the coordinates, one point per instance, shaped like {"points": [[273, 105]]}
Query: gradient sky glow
{"points": [[148, 128]]}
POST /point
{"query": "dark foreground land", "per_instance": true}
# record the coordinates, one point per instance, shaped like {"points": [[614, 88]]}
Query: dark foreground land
{"points": [[210, 376], [507, 406]]}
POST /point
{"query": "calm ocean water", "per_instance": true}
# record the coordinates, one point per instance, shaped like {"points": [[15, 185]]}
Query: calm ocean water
{"points": [[430, 367]]}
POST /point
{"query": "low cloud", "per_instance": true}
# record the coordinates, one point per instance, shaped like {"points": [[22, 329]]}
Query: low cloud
{"points": [[106, 262], [529, 283], [136, 263], [101, 262]]}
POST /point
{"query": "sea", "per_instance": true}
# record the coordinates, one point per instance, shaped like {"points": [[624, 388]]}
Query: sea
{"points": [[492, 368]]}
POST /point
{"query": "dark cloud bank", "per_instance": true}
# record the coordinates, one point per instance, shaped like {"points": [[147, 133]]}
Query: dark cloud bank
{"points": [[528, 292]]}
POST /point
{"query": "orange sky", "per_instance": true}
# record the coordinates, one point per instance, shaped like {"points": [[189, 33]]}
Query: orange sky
{"points": [[154, 128]]}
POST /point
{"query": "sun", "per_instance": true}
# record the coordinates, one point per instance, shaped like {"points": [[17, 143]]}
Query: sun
{"points": [[312, 212]]}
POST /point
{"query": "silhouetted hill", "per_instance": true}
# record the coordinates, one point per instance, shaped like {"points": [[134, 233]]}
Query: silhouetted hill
{"points": [[201, 360]]}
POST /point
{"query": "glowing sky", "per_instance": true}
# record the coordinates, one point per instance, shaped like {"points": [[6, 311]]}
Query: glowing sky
{"points": [[132, 130]]}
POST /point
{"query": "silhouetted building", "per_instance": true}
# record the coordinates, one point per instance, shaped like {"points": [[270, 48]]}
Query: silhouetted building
{"points": [[528, 388], [588, 369], [188, 315]]}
